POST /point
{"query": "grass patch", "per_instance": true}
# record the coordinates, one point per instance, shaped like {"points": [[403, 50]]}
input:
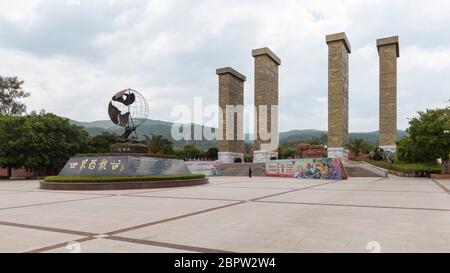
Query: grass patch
{"points": [[111, 179], [406, 167]]}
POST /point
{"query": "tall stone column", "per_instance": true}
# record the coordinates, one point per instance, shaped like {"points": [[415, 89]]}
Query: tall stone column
{"points": [[338, 50], [389, 51], [231, 120], [266, 104]]}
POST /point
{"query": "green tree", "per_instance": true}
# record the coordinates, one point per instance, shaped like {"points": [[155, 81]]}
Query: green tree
{"points": [[356, 145], [10, 91], [213, 153], [428, 138], [286, 151], [102, 143], [11, 152], [41, 143], [189, 151], [158, 144]]}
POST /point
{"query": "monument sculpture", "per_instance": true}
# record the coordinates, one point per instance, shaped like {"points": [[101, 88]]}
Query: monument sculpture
{"points": [[338, 60], [388, 51], [127, 109], [266, 104], [231, 121]]}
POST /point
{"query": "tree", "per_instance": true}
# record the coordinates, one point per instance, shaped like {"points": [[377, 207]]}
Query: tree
{"points": [[189, 151], [356, 145], [41, 143], [10, 91], [102, 143], [428, 138], [11, 152], [213, 153], [158, 144], [287, 151]]}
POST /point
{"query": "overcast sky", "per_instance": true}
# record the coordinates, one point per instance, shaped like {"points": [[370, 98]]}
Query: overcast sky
{"points": [[75, 54]]}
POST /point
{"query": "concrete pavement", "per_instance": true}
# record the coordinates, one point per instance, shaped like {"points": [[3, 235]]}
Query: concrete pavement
{"points": [[231, 214]]}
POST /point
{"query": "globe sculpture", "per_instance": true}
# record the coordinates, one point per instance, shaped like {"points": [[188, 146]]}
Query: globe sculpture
{"points": [[128, 109]]}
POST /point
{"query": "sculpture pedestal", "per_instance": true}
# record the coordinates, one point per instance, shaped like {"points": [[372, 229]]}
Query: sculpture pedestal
{"points": [[123, 165], [263, 156], [229, 157], [339, 152], [129, 148], [391, 148]]}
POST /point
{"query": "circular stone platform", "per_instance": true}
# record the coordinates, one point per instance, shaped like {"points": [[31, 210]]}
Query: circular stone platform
{"points": [[104, 186]]}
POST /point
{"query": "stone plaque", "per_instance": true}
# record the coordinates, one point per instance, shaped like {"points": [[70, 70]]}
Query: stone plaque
{"points": [[123, 166]]}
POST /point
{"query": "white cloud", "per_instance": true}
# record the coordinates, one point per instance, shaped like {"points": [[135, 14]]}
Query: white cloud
{"points": [[74, 55]]}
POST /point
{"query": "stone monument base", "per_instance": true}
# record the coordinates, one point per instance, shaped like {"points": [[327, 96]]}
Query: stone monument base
{"points": [[390, 148], [129, 148], [124, 165], [263, 156], [339, 152], [229, 157]]}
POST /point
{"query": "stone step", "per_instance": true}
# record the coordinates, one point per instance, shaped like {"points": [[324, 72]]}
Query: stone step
{"points": [[360, 169]]}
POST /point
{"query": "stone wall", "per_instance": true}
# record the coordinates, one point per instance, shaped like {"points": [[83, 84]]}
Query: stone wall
{"points": [[231, 93], [266, 94], [338, 80], [388, 49]]}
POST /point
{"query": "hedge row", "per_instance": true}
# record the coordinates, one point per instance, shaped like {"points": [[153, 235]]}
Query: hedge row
{"points": [[114, 179]]}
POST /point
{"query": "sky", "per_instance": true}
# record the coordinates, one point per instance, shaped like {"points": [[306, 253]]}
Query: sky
{"points": [[74, 55]]}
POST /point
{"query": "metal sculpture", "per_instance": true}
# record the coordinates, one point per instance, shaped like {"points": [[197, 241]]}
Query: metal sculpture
{"points": [[128, 109]]}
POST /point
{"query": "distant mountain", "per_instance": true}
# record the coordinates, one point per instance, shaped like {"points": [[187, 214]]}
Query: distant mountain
{"points": [[150, 127], [165, 128], [307, 135]]}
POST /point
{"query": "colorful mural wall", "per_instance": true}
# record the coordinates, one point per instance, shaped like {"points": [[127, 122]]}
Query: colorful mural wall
{"points": [[207, 168], [308, 168]]}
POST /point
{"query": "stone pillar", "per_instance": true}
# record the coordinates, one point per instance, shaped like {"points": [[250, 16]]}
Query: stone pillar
{"points": [[389, 51], [338, 50], [231, 121], [266, 95]]}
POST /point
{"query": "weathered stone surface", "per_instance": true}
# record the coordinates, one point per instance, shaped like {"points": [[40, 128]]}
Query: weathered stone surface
{"points": [[266, 91], [388, 49], [123, 165], [231, 93], [338, 50]]}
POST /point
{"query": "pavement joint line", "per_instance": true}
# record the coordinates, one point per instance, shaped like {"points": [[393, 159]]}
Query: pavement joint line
{"points": [[49, 229], [56, 202], [160, 190], [80, 193], [173, 218], [425, 192], [56, 246], [167, 245], [269, 188], [185, 197], [347, 205], [443, 187], [11, 193], [290, 191], [16, 190]]}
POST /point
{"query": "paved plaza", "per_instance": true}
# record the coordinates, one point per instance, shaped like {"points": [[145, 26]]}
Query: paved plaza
{"points": [[231, 214]]}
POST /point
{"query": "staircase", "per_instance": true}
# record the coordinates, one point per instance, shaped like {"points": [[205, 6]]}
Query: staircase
{"points": [[241, 169], [362, 169]]}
